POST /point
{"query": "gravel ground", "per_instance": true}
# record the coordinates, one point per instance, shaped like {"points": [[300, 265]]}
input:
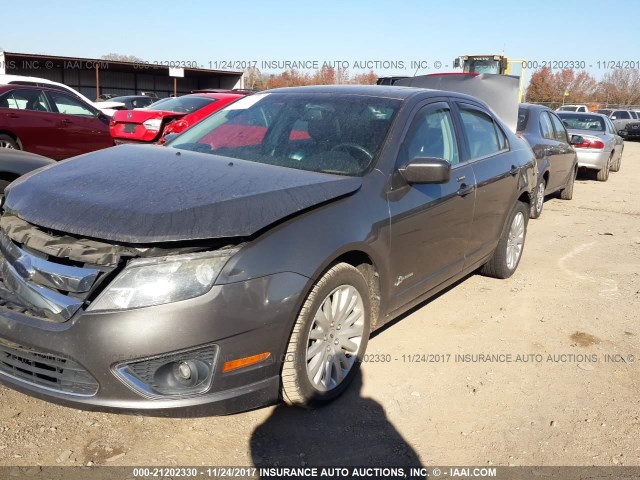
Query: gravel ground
{"points": [[561, 388]]}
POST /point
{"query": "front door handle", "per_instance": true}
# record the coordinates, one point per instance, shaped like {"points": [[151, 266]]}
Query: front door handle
{"points": [[465, 190], [514, 170], [12, 115]]}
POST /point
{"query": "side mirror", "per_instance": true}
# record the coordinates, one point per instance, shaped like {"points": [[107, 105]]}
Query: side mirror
{"points": [[426, 170], [170, 136], [576, 140], [456, 63]]}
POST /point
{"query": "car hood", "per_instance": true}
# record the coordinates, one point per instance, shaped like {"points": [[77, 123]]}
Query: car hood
{"points": [[148, 194], [142, 115]]}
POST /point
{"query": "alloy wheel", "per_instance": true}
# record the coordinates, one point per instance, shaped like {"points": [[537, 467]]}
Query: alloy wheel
{"points": [[540, 196], [5, 144], [515, 240]]}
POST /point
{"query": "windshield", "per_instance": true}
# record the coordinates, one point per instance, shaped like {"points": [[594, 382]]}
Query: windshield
{"points": [[578, 121], [482, 65], [320, 132], [186, 104]]}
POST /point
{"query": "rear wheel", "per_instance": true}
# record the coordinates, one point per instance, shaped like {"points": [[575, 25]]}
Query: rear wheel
{"points": [[328, 339], [8, 142], [537, 202], [567, 192], [507, 254], [603, 174]]}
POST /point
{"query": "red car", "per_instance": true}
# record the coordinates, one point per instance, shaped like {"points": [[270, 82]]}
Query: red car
{"points": [[50, 122], [169, 115]]}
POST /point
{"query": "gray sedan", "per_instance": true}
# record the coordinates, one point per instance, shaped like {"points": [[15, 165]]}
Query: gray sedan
{"points": [[602, 147]]}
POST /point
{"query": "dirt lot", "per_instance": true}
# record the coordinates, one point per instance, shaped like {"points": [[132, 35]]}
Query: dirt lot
{"points": [[574, 301]]}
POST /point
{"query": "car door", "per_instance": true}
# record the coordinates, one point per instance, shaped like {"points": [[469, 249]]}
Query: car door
{"points": [[548, 149], [79, 124], [496, 173], [566, 156], [429, 222], [26, 113]]}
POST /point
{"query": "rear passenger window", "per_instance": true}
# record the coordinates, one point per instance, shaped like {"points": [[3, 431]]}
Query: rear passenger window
{"points": [[546, 129], [483, 135], [25, 99], [620, 115]]}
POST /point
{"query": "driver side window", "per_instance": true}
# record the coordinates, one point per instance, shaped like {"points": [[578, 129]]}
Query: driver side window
{"points": [[432, 134]]}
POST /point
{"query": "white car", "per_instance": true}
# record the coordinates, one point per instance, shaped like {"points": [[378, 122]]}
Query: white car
{"points": [[573, 108], [108, 108]]}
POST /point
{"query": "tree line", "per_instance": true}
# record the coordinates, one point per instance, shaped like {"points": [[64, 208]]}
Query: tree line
{"points": [[618, 87]]}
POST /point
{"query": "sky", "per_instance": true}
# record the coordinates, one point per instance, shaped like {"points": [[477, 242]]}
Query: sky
{"points": [[211, 33]]}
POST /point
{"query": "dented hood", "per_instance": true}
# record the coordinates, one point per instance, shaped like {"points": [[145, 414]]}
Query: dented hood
{"points": [[147, 194]]}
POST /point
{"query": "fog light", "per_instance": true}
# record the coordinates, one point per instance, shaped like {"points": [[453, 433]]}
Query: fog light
{"points": [[185, 373], [184, 370]]}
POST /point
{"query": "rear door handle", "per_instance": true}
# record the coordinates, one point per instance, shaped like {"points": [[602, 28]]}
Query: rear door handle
{"points": [[465, 190], [12, 115], [514, 170]]}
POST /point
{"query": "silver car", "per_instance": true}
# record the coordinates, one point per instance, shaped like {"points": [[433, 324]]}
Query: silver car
{"points": [[602, 147]]}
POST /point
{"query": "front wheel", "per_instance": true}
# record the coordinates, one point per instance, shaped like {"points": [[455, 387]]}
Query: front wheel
{"points": [[567, 192], [615, 166], [507, 254], [328, 339], [603, 174], [537, 202]]}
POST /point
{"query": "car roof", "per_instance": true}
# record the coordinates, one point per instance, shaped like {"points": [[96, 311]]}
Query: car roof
{"points": [[17, 86], [533, 106], [581, 114], [383, 91], [217, 95], [129, 97]]}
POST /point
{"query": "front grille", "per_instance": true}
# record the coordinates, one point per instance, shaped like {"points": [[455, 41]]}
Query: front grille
{"points": [[45, 370], [43, 275]]}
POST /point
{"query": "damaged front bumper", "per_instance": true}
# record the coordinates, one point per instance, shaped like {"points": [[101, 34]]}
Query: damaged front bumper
{"points": [[235, 321], [184, 358]]}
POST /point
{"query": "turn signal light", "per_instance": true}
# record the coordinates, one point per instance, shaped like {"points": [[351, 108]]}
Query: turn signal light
{"points": [[244, 362]]}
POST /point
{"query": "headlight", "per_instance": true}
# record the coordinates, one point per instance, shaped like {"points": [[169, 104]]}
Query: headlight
{"points": [[155, 281], [153, 124]]}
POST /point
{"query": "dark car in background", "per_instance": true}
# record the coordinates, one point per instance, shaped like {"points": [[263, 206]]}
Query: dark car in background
{"points": [[555, 156], [50, 122], [601, 147], [228, 270]]}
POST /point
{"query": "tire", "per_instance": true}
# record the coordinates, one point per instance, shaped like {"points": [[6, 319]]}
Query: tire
{"points": [[615, 167], [8, 142], [567, 192], [502, 264], [537, 202], [603, 175], [301, 386]]}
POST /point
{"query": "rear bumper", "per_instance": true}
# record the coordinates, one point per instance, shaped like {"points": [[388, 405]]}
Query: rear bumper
{"points": [[241, 319], [593, 160]]}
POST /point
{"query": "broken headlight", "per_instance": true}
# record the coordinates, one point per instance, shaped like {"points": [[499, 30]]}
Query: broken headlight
{"points": [[155, 281]]}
